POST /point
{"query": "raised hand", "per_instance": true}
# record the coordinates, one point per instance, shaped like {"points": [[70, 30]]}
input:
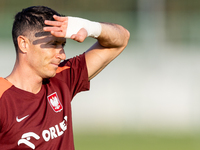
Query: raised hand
{"points": [[59, 28]]}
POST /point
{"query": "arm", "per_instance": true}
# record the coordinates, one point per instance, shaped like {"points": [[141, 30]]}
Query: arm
{"points": [[111, 41]]}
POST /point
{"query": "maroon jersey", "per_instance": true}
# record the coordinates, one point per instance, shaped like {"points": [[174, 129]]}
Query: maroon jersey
{"points": [[43, 120]]}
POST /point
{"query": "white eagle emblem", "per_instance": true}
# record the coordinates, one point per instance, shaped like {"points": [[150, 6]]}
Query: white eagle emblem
{"points": [[55, 102]]}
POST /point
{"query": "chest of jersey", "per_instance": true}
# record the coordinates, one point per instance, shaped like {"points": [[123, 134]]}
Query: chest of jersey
{"points": [[37, 121]]}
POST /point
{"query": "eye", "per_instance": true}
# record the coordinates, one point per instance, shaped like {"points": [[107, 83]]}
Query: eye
{"points": [[54, 43], [63, 45]]}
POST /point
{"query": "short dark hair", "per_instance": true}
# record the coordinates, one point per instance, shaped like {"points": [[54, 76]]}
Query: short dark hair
{"points": [[31, 19]]}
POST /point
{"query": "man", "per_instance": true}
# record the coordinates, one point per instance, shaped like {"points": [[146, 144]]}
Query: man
{"points": [[35, 99]]}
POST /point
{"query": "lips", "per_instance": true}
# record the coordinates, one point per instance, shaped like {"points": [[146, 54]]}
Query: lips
{"points": [[55, 64]]}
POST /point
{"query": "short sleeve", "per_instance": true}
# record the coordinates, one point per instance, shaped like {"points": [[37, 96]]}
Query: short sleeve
{"points": [[74, 73]]}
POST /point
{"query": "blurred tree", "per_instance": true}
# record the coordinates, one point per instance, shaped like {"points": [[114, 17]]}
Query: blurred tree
{"points": [[182, 5], [182, 21], [75, 5]]}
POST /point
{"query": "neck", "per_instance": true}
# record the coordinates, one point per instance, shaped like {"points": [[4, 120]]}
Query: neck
{"points": [[24, 79]]}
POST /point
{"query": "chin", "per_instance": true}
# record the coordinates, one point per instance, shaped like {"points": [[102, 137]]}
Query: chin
{"points": [[52, 75], [49, 75]]}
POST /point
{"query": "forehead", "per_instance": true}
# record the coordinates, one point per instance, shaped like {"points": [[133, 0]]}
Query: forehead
{"points": [[45, 37]]}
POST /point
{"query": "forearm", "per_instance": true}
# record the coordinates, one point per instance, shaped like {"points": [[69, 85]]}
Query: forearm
{"points": [[113, 36]]}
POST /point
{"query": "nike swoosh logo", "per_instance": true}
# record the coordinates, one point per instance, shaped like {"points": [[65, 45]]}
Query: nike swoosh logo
{"points": [[19, 120]]}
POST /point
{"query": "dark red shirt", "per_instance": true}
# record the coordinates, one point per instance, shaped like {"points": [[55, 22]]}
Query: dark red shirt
{"points": [[43, 120]]}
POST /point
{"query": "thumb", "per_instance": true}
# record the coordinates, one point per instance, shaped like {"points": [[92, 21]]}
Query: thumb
{"points": [[80, 36]]}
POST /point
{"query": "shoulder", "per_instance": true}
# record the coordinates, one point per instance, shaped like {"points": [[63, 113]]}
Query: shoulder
{"points": [[4, 85], [72, 63], [73, 73], [76, 59]]}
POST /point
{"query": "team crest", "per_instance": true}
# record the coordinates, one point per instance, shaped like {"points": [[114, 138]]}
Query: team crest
{"points": [[55, 102]]}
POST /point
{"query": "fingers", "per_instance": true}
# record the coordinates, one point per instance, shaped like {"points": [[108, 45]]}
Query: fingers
{"points": [[58, 27], [59, 21], [49, 29], [53, 23], [55, 31], [57, 34], [58, 18]]}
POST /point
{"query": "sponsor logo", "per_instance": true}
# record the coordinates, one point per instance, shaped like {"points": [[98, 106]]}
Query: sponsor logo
{"points": [[49, 134], [26, 137], [55, 102], [55, 131], [19, 120]]}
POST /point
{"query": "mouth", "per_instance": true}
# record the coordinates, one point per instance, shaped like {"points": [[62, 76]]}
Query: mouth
{"points": [[55, 64]]}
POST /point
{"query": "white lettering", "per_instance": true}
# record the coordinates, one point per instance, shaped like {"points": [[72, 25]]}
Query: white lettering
{"points": [[53, 133], [46, 135], [58, 131], [65, 118], [63, 126]]}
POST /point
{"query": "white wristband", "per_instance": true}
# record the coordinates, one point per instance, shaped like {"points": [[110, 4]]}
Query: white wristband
{"points": [[75, 24]]}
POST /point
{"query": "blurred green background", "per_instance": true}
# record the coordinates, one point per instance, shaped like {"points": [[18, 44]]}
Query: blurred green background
{"points": [[148, 98]]}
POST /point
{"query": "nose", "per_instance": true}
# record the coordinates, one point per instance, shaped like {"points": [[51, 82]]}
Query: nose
{"points": [[61, 54]]}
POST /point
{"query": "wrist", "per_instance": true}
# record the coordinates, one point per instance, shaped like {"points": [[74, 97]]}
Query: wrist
{"points": [[75, 24]]}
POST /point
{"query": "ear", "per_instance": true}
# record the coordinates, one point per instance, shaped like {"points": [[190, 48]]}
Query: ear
{"points": [[23, 43]]}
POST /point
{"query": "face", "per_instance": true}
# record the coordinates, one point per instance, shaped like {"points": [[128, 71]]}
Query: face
{"points": [[45, 54]]}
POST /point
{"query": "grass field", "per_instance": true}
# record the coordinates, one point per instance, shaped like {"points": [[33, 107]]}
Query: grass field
{"points": [[133, 141]]}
